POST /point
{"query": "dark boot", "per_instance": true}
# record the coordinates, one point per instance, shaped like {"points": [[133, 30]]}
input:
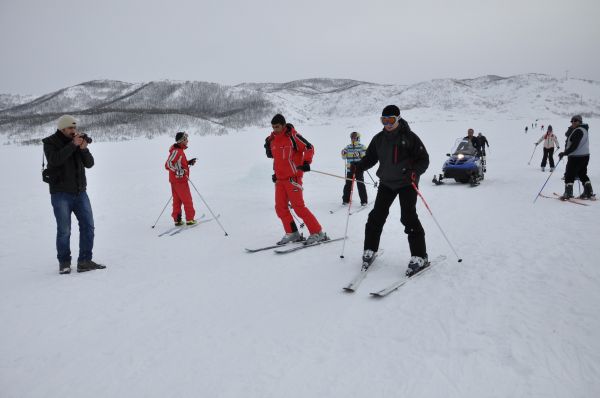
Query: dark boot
{"points": [[89, 265], [588, 192], [568, 192], [64, 268]]}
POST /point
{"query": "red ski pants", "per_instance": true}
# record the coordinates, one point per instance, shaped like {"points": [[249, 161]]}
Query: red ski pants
{"points": [[181, 195], [286, 192]]}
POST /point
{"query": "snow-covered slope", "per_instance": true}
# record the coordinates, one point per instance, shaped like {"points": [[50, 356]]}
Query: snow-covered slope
{"points": [[194, 315], [112, 110]]}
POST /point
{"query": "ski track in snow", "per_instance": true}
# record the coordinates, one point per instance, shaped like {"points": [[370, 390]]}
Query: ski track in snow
{"points": [[194, 315]]}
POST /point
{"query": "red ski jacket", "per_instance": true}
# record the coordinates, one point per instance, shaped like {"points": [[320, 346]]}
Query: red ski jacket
{"points": [[288, 150], [177, 164]]}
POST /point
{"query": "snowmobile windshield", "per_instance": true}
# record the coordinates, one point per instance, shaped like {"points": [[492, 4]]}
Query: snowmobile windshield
{"points": [[464, 147]]}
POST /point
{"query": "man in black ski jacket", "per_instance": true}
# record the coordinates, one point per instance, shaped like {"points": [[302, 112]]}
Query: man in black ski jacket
{"points": [[68, 157], [577, 148], [402, 159]]}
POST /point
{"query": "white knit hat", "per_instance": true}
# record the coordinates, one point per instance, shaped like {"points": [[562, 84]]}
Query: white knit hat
{"points": [[66, 121]]}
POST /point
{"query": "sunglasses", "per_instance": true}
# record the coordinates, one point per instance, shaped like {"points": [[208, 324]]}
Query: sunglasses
{"points": [[388, 120], [574, 120]]}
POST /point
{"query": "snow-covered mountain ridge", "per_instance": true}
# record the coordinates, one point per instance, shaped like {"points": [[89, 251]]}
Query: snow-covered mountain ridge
{"points": [[113, 110]]}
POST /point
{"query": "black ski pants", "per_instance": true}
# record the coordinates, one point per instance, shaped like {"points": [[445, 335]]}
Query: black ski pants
{"points": [[548, 155], [408, 217], [577, 168], [362, 190]]}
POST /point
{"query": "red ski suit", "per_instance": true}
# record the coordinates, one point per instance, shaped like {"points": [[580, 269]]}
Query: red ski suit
{"points": [[179, 172], [289, 150]]}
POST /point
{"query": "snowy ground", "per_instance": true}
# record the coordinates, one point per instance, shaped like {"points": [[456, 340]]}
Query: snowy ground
{"points": [[194, 315]]}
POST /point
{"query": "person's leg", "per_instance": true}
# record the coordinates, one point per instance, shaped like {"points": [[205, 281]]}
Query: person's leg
{"points": [[551, 157], [347, 187], [281, 207], [411, 222], [544, 157], [83, 212], [176, 213], [377, 217], [62, 206], [294, 193], [186, 198], [362, 190]]}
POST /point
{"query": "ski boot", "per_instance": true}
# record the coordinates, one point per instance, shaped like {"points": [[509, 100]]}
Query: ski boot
{"points": [[88, 265], [416, 264], [568, 192], [178, 221], [64, 268], [588, 193], [191, 222], [543, 169], [368, 258], [316, 238], [291, 237]]}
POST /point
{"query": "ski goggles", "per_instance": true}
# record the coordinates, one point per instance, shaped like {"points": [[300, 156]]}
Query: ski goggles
{"points": [[389, 120]]}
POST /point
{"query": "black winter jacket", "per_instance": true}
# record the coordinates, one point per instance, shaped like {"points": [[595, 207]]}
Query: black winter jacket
{"points": [[400, 152], [66, 163]]}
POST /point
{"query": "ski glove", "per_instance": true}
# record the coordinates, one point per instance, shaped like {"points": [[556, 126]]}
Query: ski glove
{"points": [[560, 155], [192, 162], [180, 173], [274, 178], [304, 167]]}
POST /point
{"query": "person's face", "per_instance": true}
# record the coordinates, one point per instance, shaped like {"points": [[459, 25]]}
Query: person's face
{"points": [[69, 132], [390, 122], [470, 133], [277, 128], [574, 123]]}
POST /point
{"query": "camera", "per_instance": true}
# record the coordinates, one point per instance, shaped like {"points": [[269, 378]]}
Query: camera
{"points": [[86, 138]]}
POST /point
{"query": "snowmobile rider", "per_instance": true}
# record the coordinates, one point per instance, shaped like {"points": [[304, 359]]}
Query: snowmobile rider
{"points": [[353, 153], [474, 141], [402, 159], [179, 172], [68, 157], [292, 155], [577, 149], [550, 141]]}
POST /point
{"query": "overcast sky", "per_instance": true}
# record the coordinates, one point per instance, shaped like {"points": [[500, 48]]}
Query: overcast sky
{"points": [[47, 45]]}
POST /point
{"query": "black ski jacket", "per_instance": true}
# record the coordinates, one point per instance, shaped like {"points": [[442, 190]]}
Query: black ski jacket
{"points": [[400, 152], [66, 163]]}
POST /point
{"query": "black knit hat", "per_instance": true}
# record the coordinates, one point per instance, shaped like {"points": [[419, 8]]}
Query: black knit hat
{"points": [[577, 118], [391, 110], [549, 127], [180, 137], [278, 119]]}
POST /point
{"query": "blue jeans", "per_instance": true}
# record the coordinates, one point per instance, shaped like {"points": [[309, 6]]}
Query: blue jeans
{"points": [[64, 204]]}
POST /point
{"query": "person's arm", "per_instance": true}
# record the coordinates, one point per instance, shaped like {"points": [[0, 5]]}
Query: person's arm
{"points": [[86, 158], [370, 158], [576, 137], [306, 147], [420, 157]]}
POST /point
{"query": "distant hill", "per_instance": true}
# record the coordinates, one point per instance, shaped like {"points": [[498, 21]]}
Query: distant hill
{"points": [[113, 110]]}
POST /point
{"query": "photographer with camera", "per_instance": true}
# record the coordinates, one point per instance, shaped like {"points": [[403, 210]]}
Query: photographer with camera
{"points": [[68, 157]]}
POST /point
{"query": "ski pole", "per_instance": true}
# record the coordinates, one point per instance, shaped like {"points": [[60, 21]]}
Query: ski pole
{"points": [[552, 172], [336, 176], [436, 222], [528, 163], [207, 206], [374, 183], [163, 210], [348, 216]]}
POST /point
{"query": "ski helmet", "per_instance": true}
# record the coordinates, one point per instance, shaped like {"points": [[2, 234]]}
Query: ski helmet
{"points": [[355, 136]]}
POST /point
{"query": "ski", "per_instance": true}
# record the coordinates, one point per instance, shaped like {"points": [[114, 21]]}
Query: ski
{"points": [[574, 200], [338, 209], [362, 274], [396, 285], [260, 249], [304, 246], [558, 198], [175, 228], [187, 227], [361, 208]]}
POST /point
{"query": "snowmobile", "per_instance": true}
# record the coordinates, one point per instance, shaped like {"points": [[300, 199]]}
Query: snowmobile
{"points": [[465, 164]]}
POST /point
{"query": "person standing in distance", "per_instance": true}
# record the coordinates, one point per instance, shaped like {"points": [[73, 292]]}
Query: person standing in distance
{"points": [[352, 153], [292, 155], [550, 141], [179, 172], [402, 160], [577, 148], [68, 157]]}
